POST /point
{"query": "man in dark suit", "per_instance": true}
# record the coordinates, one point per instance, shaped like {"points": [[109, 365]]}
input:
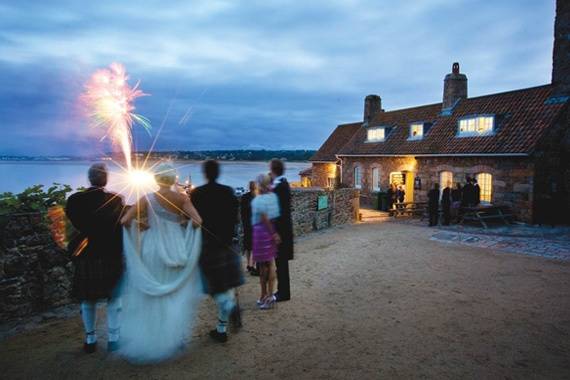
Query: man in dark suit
{"points": [[476, 193], [284, 227], [446, 204], [220, 264], [97, 254], [433, 205]]}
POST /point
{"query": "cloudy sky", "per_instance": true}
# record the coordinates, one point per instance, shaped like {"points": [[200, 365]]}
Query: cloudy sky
{"points": [[254, 74]]}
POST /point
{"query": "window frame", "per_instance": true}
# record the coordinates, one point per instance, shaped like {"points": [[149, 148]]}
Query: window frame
{"points": [[376, 184], [368, 130], [482, 190], [357, 184], [420, 137], [476, 117]]}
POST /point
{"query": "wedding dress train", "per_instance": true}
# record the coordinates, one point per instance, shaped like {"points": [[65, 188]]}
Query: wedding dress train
{"points": [[162, 286]]}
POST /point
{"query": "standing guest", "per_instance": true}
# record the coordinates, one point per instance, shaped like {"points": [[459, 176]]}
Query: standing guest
{"points": [[284, 227], [476, 193], [264, 210], [220, 265], [400, 194], [245, 211], [467, 200], [433, 205], [446, 204], [97, 254], [456, 195], [391, 195]]}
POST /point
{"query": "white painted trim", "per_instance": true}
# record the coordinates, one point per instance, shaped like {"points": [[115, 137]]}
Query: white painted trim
{"points": [[438, 155]]}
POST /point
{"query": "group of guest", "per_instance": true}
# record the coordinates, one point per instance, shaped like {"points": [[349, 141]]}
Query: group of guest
{"points": [[268, 234], [452, 201], [396, 194]]}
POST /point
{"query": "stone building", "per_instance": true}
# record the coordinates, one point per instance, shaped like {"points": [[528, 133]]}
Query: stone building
{"points": [[516, 143]]}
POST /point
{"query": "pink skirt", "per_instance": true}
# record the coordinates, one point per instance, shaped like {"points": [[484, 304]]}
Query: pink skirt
{"points": [[263, 247]]}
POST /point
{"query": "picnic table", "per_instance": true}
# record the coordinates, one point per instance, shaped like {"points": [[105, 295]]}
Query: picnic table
{"points": [[485, 212], [408, 208]]}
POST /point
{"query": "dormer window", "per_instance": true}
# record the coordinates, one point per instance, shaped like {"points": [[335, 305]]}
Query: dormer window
{"points": [[476, 126], [376, 134], [416, 131]]}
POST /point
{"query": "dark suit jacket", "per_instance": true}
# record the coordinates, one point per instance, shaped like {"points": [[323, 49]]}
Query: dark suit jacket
{"points": [[433, 199], [218, 207], [245, 211], [284, 224], [446, 197], [96, 214]]}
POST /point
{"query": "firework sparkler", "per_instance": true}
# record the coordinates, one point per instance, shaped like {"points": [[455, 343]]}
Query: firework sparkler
{"points": [[110, 103]]}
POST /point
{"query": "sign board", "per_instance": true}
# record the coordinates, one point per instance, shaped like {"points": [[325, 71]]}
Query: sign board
{"points": [[322, 202]]}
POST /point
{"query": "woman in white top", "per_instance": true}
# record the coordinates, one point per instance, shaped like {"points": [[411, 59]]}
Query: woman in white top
{"points": [[265, 208]]}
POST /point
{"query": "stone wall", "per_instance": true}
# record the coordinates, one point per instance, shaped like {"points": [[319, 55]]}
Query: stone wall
{"points": [[35, 274], [512, 176], [386, 165], [512, 184], [321, 172], [343, 206]]}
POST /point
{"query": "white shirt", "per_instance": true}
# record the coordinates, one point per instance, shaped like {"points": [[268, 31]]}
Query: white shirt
{"points": [[277, 181]]}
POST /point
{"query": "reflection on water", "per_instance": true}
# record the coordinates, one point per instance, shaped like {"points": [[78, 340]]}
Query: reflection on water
{"points": [[16, 176]]}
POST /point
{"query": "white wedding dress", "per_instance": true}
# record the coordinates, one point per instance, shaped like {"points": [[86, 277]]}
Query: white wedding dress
{"points": [[162, 286]]}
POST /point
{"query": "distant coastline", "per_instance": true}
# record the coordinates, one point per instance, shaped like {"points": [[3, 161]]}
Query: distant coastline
{"points": [[222, 155]]}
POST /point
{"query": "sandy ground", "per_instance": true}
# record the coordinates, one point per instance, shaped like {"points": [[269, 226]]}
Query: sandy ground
{"points": [[369, 301]]}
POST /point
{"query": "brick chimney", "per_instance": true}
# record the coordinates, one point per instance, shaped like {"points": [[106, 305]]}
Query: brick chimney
{"points": [[372, 106], [561, 51], [454, 87]]}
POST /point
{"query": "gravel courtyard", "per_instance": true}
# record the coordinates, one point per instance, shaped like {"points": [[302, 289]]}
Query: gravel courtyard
{"points": [[374, 300]]}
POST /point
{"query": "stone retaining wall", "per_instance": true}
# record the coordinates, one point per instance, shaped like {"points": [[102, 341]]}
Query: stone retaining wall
{"points": [[35, 274], [343, 205]]}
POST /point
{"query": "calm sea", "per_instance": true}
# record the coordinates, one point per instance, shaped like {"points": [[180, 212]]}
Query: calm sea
{"points": [[16, 176]]}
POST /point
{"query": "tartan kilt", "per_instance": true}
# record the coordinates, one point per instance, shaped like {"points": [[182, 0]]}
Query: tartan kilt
{"points": [[221, 269], [96, 277]]}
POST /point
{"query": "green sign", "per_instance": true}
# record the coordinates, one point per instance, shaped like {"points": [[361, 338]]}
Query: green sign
{"points": [[322, 202]]}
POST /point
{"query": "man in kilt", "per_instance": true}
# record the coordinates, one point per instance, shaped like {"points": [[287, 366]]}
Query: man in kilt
{"points": [[97, 254], [219, 262]]}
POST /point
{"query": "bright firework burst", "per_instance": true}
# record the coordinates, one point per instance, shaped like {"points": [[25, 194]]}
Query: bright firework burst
{"points": [[110, 103]]}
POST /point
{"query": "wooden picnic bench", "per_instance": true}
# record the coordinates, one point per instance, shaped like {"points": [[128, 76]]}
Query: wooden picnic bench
{"points": [[408, 208], [483, 213]]}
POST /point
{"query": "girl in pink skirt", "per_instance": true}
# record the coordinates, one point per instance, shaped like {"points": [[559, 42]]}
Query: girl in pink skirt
{"points": [[265, 208]]}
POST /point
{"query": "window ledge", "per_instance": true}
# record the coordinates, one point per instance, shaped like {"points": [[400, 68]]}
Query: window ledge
{"points": [[475, 134]]}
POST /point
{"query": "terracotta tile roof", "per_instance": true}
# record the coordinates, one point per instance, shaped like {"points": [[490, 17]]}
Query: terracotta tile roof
{"points": [[340, 136], [521, 118]]}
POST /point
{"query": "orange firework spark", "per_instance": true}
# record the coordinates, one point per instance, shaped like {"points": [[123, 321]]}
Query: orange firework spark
{"points": [[110, 103]]}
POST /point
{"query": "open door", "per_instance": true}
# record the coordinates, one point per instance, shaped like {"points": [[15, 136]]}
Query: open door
{"points": [[409, 187]]}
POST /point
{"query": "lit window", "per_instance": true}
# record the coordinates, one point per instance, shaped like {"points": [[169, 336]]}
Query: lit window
{"points": [[357, 177], [485, 181], [416, 131], [375, 179], [476, 126], [376, 134], [445, 180]]}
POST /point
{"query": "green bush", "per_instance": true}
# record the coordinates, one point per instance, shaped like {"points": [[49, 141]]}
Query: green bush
{"points": [[34, 199]]}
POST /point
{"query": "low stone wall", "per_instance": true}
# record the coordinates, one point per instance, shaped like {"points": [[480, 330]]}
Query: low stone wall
{"points": [[343, 205], [35, 274]]}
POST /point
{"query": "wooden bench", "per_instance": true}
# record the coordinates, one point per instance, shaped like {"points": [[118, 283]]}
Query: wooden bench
{"points": [[408, 209], [483, 213]]}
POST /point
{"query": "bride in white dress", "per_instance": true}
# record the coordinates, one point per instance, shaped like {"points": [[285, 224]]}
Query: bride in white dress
{"points": [[162, 281]]}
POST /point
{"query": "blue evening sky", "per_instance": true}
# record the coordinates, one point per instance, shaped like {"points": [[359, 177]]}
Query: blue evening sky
{"points": [[254, 74]]}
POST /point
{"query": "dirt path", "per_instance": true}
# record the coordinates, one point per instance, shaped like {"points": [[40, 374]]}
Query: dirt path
{"points": [[370, 301]]}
